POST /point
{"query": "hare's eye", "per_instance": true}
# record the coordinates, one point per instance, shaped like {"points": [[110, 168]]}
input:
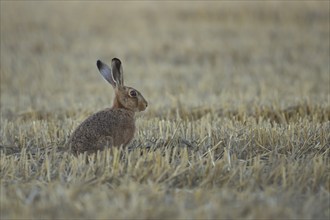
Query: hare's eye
{"points": [[132, 93]]}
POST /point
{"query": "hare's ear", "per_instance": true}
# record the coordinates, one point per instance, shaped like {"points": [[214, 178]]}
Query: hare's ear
{"points": [[117, 71], [106, 72]]}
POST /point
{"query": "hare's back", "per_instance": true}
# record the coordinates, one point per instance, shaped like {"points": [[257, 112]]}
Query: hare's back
{"points": [[108, 121]]}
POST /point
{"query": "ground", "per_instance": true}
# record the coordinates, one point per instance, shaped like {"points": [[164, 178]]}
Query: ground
{"points": [[238, 122]]}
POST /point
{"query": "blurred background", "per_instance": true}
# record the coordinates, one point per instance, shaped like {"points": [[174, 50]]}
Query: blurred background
{"points": [[193, 54]]}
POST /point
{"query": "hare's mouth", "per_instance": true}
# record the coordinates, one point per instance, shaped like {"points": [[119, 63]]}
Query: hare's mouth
{"points": [[143, 106]]}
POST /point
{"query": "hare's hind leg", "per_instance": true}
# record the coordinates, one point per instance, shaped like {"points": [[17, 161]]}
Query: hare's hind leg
{"points": [[76, 148], [104, 142]]}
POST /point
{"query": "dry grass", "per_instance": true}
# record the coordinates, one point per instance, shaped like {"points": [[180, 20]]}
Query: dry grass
{"points": [[238, 124]]}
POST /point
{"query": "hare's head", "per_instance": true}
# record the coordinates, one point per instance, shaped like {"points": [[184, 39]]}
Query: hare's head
{"points": [[126, 97]]}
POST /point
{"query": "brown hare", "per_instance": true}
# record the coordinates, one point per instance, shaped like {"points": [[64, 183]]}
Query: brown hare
{"points": [[113, 126]]}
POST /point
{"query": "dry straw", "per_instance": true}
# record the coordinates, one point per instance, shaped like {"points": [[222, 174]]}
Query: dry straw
{"points": [[237, 124]]}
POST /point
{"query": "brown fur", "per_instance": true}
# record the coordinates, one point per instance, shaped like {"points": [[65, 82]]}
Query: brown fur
{"points": [[115, 127], [112, 126]]}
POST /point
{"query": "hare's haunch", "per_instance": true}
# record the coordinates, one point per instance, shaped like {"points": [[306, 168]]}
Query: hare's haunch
{"points": [[113, 126]]}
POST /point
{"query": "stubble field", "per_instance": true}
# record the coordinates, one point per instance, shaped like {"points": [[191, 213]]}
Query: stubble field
{"points": [[237, 124]]}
